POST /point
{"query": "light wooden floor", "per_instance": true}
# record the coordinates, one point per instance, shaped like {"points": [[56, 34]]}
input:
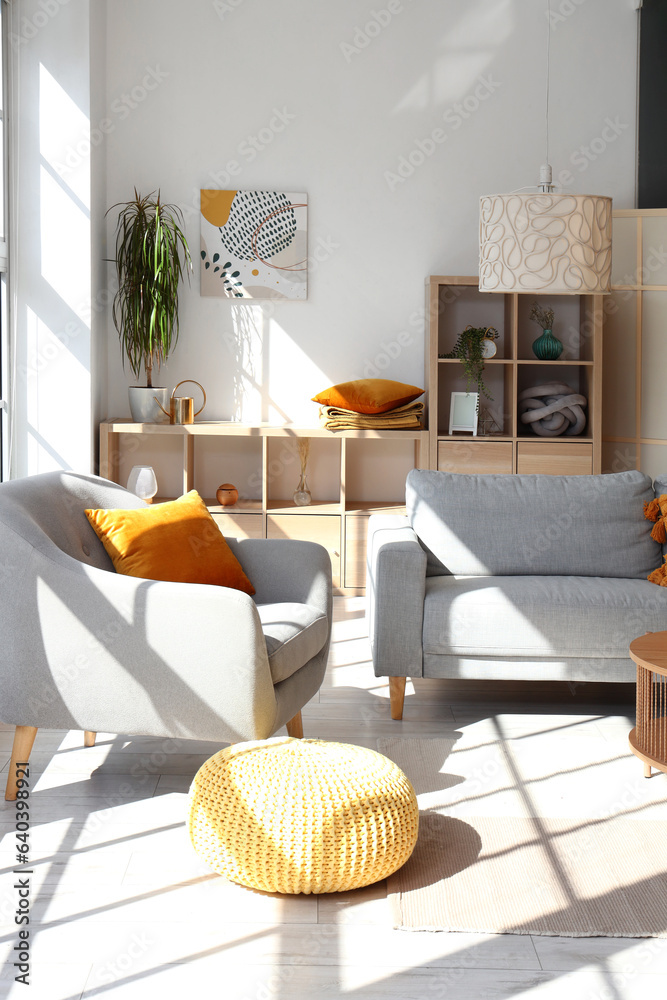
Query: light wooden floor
{"points": [[121, 906]]}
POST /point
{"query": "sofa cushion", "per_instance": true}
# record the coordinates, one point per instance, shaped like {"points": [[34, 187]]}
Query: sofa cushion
{"points": [[534, 525], [660, 485], [294, 633], [539, 616]]}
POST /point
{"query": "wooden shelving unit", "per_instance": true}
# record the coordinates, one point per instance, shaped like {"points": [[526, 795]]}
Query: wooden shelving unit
{"points": [[340, 523], [453, 303]]}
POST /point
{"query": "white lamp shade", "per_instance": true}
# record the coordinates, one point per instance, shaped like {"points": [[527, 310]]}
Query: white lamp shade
{"points": [[557, 243], [142, 481]]}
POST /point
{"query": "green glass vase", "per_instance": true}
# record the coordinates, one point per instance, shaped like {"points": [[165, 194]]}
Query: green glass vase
{"points": [[547, 347]]}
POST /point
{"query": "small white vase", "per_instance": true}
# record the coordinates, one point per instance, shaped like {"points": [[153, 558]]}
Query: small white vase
{"points": [[143, 407]]}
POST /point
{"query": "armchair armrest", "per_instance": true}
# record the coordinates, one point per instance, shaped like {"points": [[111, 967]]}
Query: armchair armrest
{"points": [[286, 570], [91, 649], [395, 589]]}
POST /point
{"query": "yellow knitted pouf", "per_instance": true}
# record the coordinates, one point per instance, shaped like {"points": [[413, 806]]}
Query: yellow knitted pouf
{"points": [[288, 815]]}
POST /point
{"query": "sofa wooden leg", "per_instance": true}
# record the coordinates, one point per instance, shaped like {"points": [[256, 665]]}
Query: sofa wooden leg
{"points": [[24, 737], [295, 727], [89, 738], [397, 696]]}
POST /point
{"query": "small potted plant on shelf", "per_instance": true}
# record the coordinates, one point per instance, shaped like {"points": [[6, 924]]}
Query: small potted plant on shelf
{"points": [[152, 255], [472, 348], [547, 347]]}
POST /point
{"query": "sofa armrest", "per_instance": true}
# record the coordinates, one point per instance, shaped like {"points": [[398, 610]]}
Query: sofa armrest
{"points": [[395, 587]]}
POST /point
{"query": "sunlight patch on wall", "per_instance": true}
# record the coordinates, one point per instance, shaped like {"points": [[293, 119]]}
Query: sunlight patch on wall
{"points": [[294, 378], [457, 71], [56, 382], [245, 348], [64, 136], [65, 246], [490, 24]]}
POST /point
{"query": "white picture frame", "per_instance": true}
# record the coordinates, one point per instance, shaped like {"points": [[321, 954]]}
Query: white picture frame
{"points": [[464, 412]]}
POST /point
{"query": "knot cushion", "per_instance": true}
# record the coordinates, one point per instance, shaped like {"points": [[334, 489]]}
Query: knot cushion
{"points": [[552, 410], [290, 815]]}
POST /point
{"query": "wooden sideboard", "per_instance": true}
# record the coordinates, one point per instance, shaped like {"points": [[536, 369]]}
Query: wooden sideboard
{"points": [[339, 523]]}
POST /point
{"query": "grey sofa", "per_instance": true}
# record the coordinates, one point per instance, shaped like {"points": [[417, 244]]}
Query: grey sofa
{"points": [[86, 648], [513, 577]]}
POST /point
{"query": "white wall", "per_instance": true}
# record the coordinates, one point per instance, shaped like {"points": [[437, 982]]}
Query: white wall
{"points": [[183, 89], [99, 291], [51, 272], [361, 100]]}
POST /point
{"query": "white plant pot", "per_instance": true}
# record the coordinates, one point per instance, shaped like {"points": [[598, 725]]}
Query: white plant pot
{"points": [[143, 407]]}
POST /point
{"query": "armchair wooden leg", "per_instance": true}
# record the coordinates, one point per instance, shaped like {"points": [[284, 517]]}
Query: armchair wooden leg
{"points": [[397, 696], [24, 737], [89, 738], [295, 727]]}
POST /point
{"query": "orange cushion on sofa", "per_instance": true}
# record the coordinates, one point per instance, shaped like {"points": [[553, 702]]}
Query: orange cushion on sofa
{"points": [[368, 395], [177, 541]]}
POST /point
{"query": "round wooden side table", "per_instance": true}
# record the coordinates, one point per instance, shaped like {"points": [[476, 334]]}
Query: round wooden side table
{"points": [[648, 740]]}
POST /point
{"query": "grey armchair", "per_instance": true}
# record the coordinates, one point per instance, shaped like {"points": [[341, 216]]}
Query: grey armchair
{"points": [[86, 648]]}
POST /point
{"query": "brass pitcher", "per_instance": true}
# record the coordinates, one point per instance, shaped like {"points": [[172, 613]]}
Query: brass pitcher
{"points": [[182, 408]]}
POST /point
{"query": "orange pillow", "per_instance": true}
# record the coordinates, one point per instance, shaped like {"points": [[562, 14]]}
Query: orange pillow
{"points": [[177, 541], [368, 395]]}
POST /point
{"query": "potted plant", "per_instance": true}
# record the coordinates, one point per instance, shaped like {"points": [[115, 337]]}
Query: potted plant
{"points": [[547, 347], [152, 255], [473, 346]]}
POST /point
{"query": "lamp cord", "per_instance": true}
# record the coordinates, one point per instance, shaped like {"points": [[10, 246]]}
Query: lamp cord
{"points": [[548, 68]]}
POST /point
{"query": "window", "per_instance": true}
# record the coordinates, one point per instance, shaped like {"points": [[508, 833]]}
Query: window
{"points": [[4, 326]]}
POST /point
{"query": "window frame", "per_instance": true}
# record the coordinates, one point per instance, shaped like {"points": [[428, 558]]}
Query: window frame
{"points": [[5, 350]]}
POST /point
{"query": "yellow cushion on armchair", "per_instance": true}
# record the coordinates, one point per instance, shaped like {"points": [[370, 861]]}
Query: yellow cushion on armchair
{"points": [[177, 541]]}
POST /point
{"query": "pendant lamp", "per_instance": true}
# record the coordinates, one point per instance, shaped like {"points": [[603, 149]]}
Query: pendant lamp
{"points": [[543, 241]]}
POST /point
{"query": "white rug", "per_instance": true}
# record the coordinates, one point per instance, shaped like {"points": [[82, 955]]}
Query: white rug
{"points": [[520, 864]]}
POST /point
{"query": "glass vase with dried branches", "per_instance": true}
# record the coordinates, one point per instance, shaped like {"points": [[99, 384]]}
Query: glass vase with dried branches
{"points": [[302, 495]]}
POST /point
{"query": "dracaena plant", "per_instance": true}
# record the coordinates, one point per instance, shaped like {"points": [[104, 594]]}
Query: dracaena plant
{"points": [[152, 255]]}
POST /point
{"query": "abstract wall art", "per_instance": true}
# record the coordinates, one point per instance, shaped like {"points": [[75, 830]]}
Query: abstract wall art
{"points": [[254, 244]]}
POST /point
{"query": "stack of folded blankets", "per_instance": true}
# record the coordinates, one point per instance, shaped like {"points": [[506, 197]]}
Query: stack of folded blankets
{"points": [[367, 404], [335, 418]]}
